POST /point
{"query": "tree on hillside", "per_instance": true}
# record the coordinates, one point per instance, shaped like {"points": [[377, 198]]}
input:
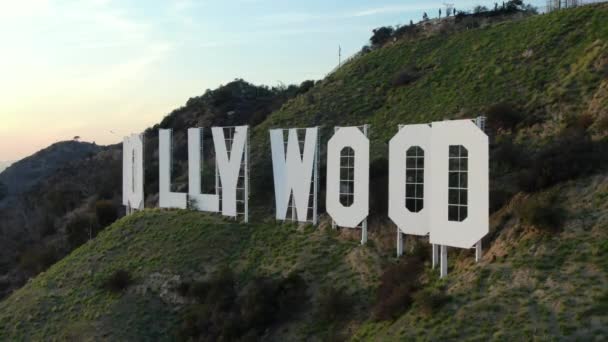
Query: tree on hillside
{"points": [[381, 36], [106, 213], [514, 5], [480, 9]]}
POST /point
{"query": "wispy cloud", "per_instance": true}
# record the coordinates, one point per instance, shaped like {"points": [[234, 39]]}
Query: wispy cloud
{"points": [[390, 9], [289, 18]]}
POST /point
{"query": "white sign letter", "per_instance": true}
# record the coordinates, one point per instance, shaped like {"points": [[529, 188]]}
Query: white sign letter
{"points": [[409, 179], [460, 171], [203, 202], [229, 166], [167, 199], [293, 174], [133, 172], [352, 215]]}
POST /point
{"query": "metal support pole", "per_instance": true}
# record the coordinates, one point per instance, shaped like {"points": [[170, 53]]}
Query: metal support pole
{"points": [[218, 190], [478, 251], [444, 262], [399, 242], [481, 123], [364, 232], [246, 172], [315, 207], [364, 225], [143, 170], [435, 253]]}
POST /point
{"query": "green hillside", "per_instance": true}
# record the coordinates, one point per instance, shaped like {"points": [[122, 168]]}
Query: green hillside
{"points": [[530, 282], [157, 247], [542, 81]]}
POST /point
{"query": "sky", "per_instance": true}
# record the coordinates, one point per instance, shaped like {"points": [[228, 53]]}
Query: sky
{"points": [[103, 69]]}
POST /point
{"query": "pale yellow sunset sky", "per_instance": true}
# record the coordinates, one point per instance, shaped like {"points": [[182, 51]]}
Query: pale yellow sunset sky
{"points": [[86, 68]]}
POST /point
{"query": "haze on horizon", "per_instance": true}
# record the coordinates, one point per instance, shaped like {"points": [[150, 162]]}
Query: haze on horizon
{"points": [[102, 69]]}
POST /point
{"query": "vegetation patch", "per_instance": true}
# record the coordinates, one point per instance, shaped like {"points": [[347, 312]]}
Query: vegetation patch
{"points": [[430, 300], [118, 281], [225, 312], [542, 212], [398, 283], [333, 304]]}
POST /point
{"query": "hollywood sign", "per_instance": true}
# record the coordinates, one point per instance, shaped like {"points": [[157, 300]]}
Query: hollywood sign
{"points": [[438, 179]]}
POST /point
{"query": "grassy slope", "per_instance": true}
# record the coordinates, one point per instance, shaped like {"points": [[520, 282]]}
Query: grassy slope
{"points": [[530, 285], [527, 284], [68, 297]]}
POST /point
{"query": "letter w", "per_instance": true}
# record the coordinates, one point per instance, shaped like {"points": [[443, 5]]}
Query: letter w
{"points": [[293, 174]]}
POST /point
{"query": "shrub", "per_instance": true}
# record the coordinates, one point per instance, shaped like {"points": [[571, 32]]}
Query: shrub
{"points": [[118, 281], [543, 212], [257, 304], [366, 49], [407, 31], [106, 212], [58, 202], [79, 229], [405, 77], [503, 116], [397, 284], [48, 226], [267, 301], [468, 22], [333, 304], [498, 199], [579, 122], [220, 290], [420, 249], [223, 313], [291, 295], [306, 86], [381, 36], [430, 300], [183, 289], [508, 154], [570, 155], [37, 259], [479, 9]]}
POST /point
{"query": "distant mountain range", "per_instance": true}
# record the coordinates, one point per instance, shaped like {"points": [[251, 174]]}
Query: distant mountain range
{"points": [[21, 176], [5, 164]]}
